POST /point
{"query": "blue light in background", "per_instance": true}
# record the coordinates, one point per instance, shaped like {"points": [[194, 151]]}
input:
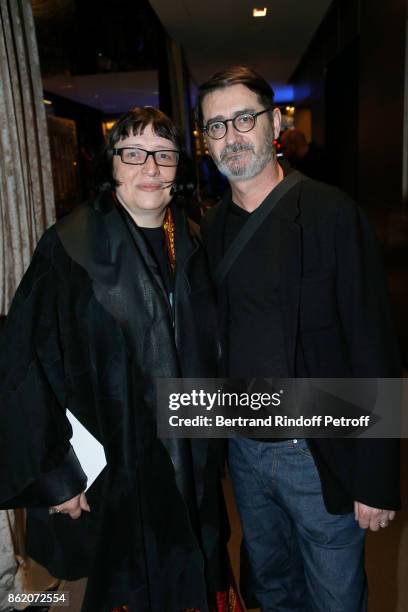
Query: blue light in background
{"points": [[283, 93]]}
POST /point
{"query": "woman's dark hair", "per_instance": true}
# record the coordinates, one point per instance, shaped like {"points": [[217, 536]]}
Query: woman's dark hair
{"points": [[134, 122], [236, 75]]}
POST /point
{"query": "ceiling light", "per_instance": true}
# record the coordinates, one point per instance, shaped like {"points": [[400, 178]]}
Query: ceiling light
{"points": [[47, 101], [259, 12], [108, 125]]}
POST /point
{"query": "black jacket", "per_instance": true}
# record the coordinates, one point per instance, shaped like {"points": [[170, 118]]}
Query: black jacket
{"points": [[90, 329], [336, 317]]}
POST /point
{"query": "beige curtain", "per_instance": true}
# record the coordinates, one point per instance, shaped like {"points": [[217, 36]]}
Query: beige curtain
{"points": [[18, 573], [12, 563], [26, 190], [26, 210]]}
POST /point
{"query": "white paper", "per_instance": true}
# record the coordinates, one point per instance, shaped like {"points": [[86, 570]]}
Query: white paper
{"points": [[88, 449]]}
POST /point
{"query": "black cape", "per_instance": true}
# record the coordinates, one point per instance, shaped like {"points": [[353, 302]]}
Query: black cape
{"points": [[90, 329]]}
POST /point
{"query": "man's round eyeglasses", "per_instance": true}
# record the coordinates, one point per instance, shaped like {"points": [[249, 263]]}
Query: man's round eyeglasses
{"points": [[136, 156], [245, 122]]}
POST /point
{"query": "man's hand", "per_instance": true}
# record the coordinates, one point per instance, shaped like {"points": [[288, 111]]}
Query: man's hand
{"points": [[73, 506], [372, 518]]}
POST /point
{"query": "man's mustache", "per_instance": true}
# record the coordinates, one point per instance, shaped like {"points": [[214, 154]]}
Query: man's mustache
{"points": [[235, 148]]}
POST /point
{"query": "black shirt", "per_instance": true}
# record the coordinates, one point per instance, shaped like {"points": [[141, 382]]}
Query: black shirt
{"points": [[255, 333], [156, 239]]}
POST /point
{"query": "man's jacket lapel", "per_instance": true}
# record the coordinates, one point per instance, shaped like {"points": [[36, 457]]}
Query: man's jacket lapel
{"points": [[212, 230], [290, 260]]}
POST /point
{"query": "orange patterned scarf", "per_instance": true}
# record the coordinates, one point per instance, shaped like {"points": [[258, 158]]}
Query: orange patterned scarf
{"points": [[226, 601], [168, 226]]}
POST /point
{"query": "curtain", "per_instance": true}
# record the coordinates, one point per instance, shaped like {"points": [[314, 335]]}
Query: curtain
{"points": [[26, 189], [12, 564], [26, 210]]}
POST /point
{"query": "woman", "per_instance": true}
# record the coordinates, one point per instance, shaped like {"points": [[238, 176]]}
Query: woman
{"points": [[116, 296]]}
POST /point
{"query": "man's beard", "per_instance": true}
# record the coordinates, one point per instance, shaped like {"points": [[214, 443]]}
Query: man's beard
{"points": [[237, 170]]}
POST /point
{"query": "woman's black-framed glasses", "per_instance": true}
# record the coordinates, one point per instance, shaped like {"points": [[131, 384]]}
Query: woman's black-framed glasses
{"points": [[137, 156], [244, 122]]}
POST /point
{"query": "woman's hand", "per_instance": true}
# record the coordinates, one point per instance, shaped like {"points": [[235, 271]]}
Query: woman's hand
{"points": [[73, 506]]}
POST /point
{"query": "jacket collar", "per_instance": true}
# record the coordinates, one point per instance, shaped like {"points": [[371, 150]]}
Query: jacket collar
{"points": [[286, 209], [96, 236], [108, 211]]}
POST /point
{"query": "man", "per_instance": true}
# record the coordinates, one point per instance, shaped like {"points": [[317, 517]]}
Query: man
{"points": [[306, 157], [305, 297]]}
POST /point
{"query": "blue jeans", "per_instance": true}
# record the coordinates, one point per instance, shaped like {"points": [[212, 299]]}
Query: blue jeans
{"points": [[301, 557]]}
